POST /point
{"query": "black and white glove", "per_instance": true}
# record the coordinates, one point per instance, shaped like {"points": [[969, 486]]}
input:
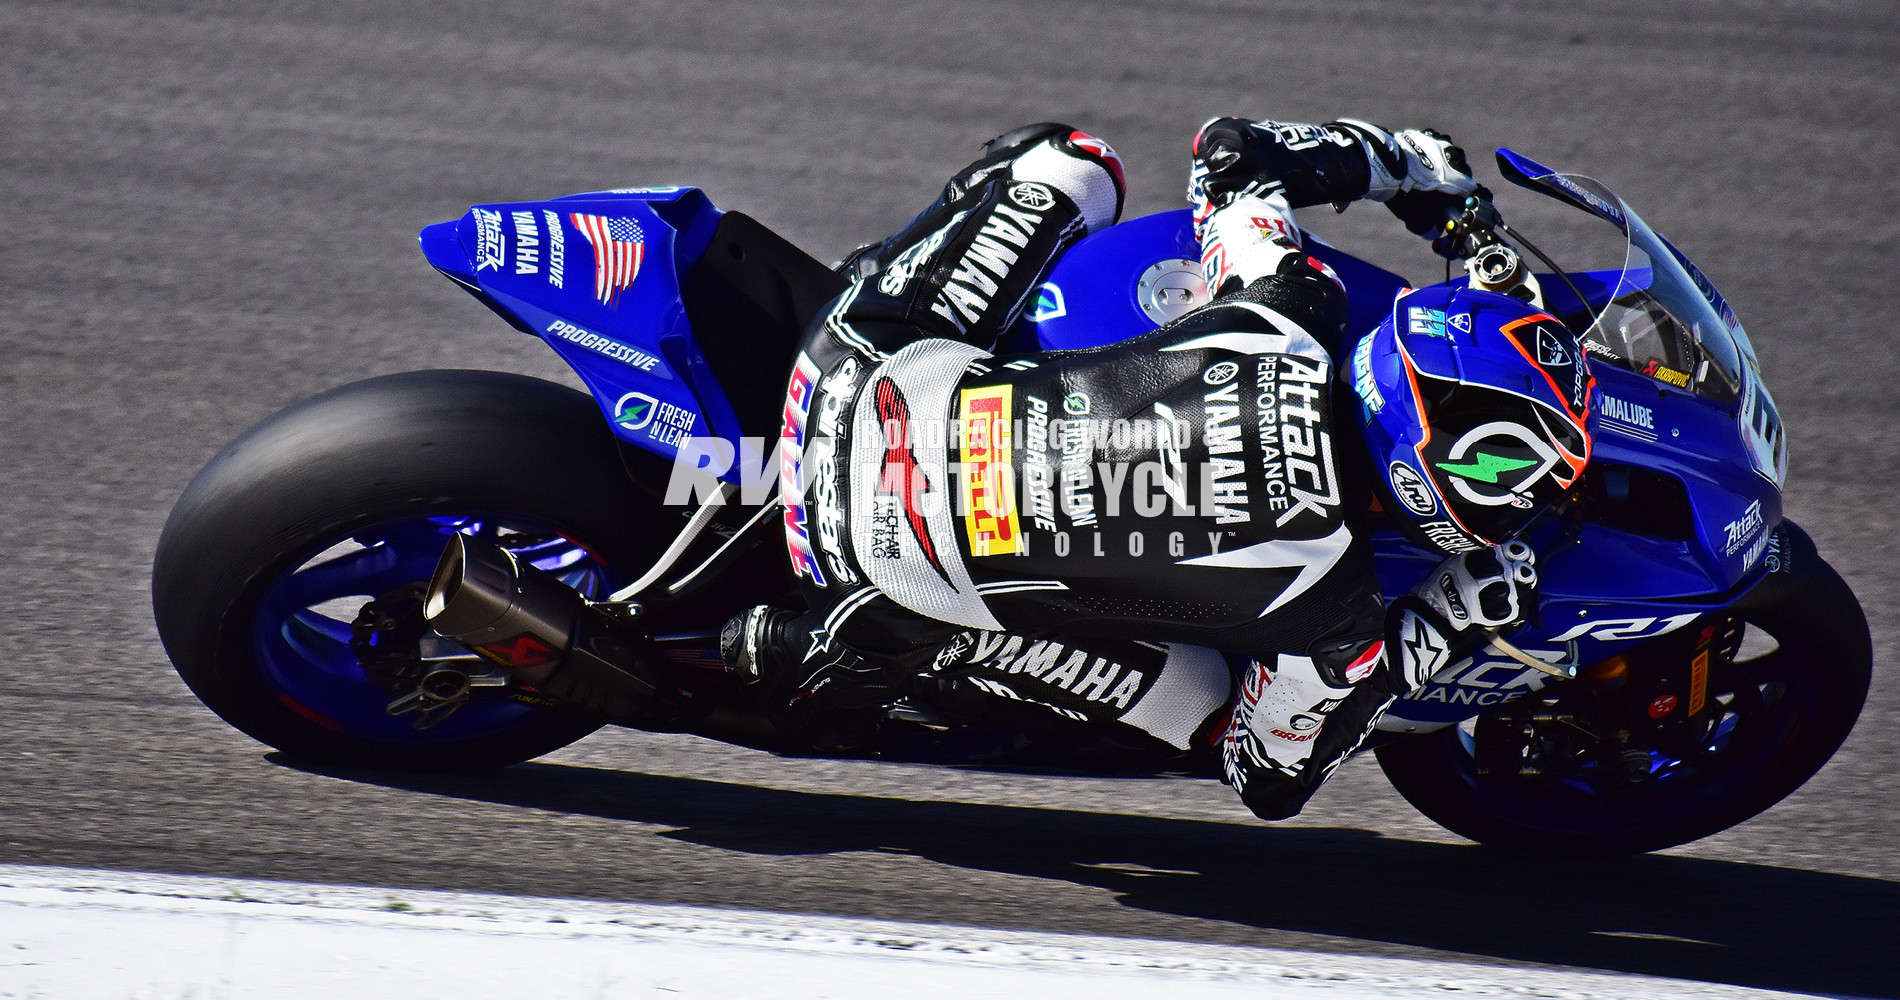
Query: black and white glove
{"points": [[1421, 175], [1490, 589], [1456, 610], [836, 701]]}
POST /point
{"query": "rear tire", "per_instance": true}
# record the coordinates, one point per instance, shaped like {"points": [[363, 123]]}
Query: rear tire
{"points": [[1818, 678], [352, 493]]}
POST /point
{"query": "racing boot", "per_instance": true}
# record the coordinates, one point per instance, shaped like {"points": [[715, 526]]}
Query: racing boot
{"points": [[823, 694], [1418, 173], [1251, 249], [1294, 720], [1249, 238]]}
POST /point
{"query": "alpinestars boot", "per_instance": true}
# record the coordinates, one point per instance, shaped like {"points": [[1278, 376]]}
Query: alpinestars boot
{"points": [[829, 697]]}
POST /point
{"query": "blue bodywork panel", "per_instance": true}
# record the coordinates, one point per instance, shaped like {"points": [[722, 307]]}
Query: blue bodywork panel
{"points": [[597, 276]]}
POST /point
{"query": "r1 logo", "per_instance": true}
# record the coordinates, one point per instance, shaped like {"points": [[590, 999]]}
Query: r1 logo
{"points": [[1625, 629]]}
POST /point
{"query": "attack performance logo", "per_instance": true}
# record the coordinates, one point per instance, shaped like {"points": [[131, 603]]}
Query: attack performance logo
{"points": [[619, 246]]}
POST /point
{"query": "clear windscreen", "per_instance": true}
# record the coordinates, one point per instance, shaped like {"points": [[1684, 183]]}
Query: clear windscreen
{"points": [[1657, 316]]}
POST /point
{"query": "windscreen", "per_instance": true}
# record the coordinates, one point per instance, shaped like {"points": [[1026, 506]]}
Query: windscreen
{"points": [[1660, 317]]}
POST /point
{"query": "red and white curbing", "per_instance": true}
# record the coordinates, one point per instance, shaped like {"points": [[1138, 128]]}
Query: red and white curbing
{"points": [[70, 933]]}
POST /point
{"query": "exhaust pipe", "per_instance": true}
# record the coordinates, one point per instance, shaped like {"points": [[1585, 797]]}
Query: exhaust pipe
{"points": [[508, 613], [550, 638]]}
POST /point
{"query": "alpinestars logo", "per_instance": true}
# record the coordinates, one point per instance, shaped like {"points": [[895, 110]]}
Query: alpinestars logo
{"points": [[902, 478], [1422, 651]]}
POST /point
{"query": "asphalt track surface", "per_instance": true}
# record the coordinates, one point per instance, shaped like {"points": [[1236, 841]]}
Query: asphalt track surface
{"points": [[208, 211]]}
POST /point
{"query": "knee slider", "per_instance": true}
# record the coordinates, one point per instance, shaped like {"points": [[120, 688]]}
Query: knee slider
{"points": [[1018, 139]]}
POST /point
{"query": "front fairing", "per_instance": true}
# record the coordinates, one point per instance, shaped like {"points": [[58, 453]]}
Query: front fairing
{"points": [[1662, 318], [1681, 403]]}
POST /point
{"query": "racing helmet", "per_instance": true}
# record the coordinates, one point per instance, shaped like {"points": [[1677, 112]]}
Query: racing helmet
{"points": [[1476, 411]]}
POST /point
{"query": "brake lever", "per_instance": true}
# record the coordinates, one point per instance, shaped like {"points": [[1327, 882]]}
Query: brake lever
{"points": [[1472, 231]]}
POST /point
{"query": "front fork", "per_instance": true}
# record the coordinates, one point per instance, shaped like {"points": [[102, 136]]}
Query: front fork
{"points": [[1661, 697]]}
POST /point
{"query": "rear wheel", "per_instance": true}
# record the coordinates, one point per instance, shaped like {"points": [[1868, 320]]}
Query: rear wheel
{"points": [[280, 541], [1582, 771]]}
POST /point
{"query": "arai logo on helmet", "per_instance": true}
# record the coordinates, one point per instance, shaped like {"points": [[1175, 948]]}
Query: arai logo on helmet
{"points": [[1411, 489], [1486, 474]]}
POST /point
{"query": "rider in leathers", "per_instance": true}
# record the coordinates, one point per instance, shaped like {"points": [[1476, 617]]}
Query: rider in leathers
{"points": [[1163, 538]]}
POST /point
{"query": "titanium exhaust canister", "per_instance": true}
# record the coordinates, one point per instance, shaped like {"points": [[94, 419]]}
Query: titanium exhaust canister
{"points": [[508, 613]]}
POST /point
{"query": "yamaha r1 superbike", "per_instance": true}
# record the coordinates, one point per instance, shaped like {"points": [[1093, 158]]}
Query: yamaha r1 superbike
{"points": [[1692, 659]]}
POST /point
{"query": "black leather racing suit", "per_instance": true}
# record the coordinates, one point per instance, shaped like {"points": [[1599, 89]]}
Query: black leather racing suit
{"points": [[1157, 536]]}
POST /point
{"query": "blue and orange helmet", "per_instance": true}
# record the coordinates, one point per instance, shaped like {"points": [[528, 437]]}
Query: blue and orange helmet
{"points": [[1476, 410]]}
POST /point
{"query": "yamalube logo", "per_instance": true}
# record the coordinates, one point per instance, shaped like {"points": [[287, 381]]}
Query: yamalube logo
{"points": [[634, 411], [1495, 464], [1411, 489]]}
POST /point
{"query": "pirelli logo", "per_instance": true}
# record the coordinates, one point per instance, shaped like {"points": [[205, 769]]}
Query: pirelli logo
{"points": [[989, 495]]}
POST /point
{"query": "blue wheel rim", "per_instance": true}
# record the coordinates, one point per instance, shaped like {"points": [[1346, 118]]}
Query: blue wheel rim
{"points": [[300, 634]]}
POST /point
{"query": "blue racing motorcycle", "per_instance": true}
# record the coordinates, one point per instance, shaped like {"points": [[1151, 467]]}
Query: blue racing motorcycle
{"points": [[1692, 660]]}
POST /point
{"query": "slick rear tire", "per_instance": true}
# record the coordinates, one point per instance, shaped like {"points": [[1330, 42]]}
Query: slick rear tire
{"points": [[359, 466], [1821, 685]]}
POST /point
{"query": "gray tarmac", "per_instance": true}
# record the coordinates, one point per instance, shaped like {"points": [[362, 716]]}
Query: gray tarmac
{"points": [[209, 210]]}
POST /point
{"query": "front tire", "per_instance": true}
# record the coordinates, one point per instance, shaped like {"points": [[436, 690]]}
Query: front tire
{"points": [[351, 494], [1792, 707]]}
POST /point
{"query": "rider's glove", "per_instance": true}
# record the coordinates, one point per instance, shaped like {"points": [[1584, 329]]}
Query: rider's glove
{"points": [[1421, 175], [1490, 589], [1414, 161]]}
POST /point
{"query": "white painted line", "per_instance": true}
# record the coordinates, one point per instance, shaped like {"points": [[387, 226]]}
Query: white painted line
{"points": [[84, 933]]}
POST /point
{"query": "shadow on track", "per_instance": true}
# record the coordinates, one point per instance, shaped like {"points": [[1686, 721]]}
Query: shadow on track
{"points": [[1715, 921]]}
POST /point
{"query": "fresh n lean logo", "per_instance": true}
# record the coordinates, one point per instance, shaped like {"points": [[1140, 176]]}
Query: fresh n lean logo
{"points": [[989, 497], [634, 410]]}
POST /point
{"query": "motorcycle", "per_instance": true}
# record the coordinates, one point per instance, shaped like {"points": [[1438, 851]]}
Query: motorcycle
{"points": [[1692, 661]]}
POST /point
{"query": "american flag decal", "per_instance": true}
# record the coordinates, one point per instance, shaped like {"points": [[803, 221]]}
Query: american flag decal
{"points": [[619, 246]]}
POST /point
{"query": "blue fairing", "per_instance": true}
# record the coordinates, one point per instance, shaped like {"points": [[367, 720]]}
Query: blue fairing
{"points": [[628, 339], [1608, 590]]}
